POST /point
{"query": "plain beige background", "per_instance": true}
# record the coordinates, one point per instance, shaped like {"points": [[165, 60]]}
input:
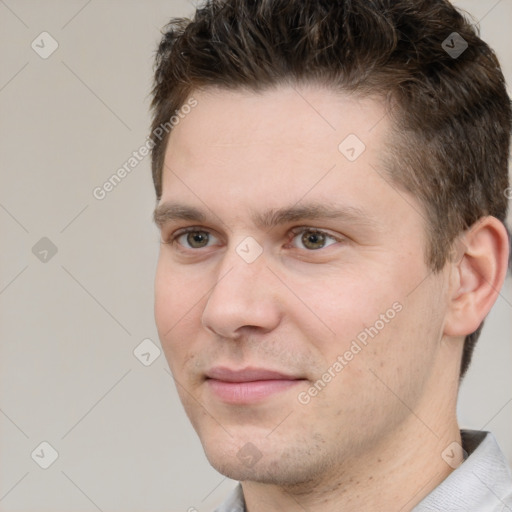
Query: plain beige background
{"points": [[69, 325]]}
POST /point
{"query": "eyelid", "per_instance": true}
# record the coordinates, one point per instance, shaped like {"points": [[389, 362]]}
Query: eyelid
{"points": [[331, 239], [301, 229], [172, 238]]}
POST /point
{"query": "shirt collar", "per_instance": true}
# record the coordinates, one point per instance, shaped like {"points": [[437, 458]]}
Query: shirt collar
{"points": [[234, 503], [481, 483]]}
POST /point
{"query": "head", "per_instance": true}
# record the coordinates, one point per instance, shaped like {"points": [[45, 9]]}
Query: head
{"points": [[342, 171]]}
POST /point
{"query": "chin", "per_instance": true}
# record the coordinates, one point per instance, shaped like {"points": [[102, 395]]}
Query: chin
{"points": [[272, 465]]}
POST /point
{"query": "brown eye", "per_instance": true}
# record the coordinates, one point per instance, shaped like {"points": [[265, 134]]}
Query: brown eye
{"points": [[313, 239], [197, 239], [194, 239]]}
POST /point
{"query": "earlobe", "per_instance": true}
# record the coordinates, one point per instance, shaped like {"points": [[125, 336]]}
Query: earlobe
{"points": [[478, 275]]}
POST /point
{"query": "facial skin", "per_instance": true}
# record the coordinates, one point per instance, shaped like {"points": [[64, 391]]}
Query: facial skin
{"points": [[239, 157]]}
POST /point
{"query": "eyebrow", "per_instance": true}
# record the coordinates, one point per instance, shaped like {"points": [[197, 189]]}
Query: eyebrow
{"points": [[168, 212], [312, 211]]}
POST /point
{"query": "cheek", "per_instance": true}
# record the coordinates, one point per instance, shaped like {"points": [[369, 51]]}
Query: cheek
{"points": [[166, 304], [176, 294], [177, 310], [346, 302], [372, 313]]}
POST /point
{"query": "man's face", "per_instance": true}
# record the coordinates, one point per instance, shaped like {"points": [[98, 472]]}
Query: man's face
{"points": [[297, 314]]}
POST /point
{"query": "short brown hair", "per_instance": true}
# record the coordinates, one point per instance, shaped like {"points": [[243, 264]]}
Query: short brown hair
{"points": [[452, 121]]}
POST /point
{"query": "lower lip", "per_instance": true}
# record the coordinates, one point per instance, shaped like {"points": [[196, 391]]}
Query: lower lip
{"points": [[248, 392]]}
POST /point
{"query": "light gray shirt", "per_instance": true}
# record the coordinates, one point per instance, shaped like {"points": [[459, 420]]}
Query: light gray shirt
{"points": [[482, 483]]}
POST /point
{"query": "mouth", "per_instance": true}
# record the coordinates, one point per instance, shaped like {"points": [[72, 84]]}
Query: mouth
{"points": [[248, 385]]}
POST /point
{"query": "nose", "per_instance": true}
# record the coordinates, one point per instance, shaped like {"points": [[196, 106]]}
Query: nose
{"points": [[243, 298]]}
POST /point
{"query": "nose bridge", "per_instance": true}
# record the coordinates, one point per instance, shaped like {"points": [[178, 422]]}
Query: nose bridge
{"points": [[242, 295], [241, 267]]}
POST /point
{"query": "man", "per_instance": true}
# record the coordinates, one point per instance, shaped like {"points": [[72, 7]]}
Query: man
{"points": [[331, 200]]}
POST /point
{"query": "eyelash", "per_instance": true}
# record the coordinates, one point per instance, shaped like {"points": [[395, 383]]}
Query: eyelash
{"points": [[192, 229], [295, 231], [304, 229]]}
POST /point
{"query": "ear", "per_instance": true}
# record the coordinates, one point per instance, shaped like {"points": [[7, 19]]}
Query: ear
{"points": [[477, 276]]}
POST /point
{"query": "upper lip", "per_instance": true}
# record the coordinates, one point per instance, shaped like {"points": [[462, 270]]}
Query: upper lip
{"points": [[249, 374]]}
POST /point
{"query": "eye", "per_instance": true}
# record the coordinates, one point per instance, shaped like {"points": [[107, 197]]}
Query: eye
{"points": [[195, 239], [312, 239]]}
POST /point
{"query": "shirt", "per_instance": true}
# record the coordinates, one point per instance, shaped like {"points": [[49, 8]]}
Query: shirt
{"points": [[482, 483]]}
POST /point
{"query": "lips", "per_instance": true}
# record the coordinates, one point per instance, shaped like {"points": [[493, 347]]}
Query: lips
{"points": [[248, 385], [246, 375]]}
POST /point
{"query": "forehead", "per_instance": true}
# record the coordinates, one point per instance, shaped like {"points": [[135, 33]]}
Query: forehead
{"points": [[301, 116], [290, 134], [240, 152]]}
